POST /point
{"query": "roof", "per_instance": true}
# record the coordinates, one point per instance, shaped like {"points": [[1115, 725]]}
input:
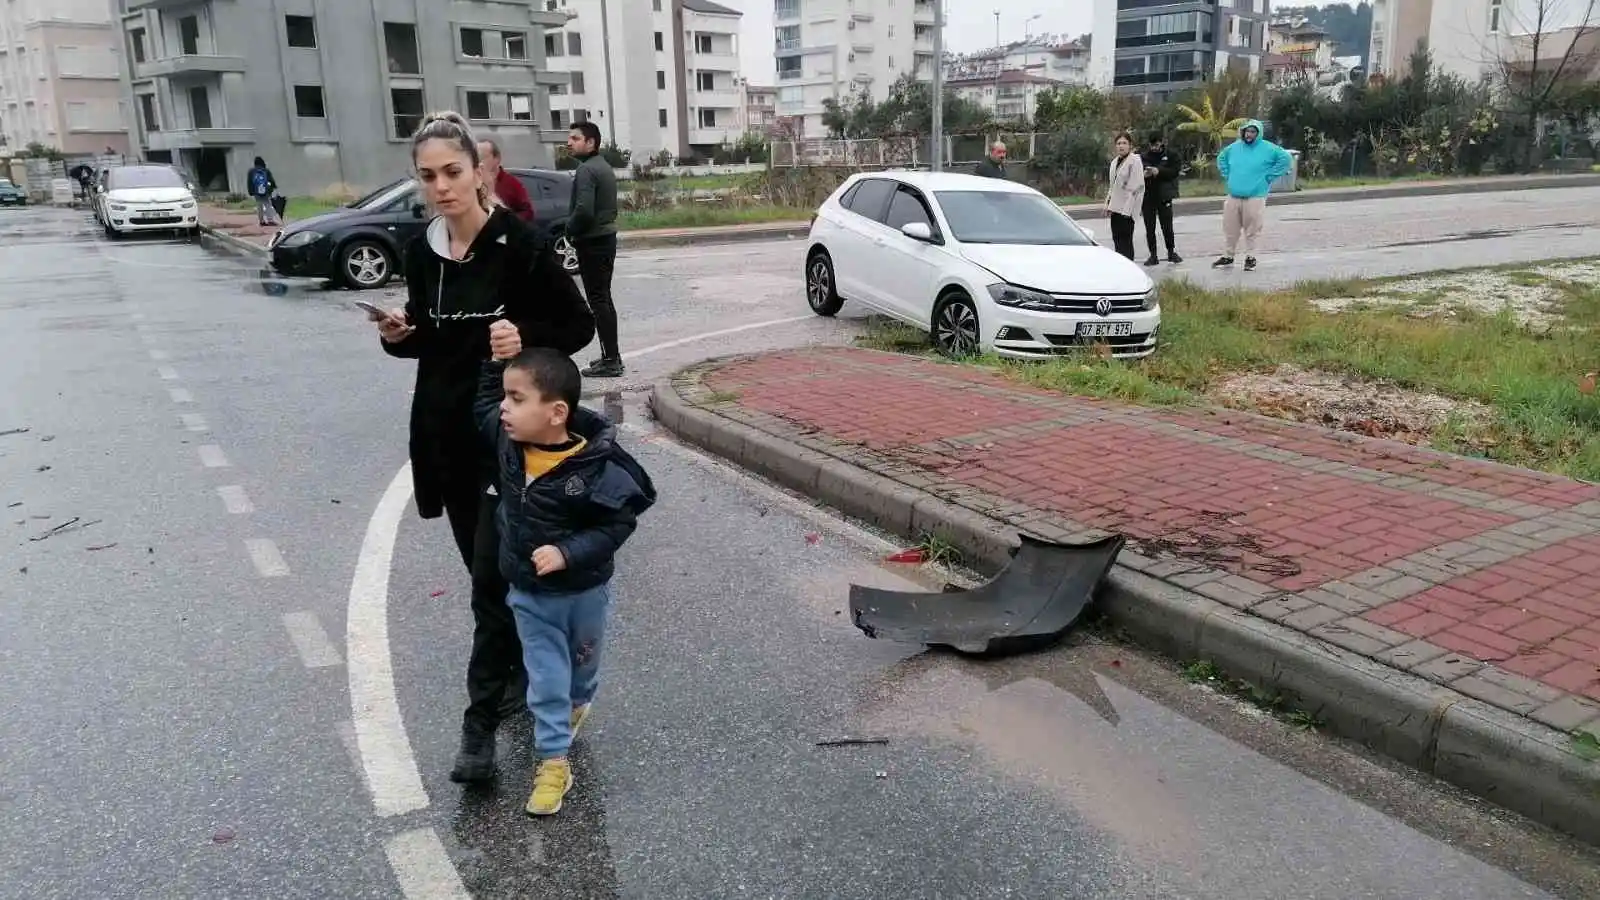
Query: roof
{"points": [[951, 181], [706, 6]]}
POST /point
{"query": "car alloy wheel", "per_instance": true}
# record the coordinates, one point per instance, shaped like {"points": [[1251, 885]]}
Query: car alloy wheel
{"points": [[366, 265], [820, 293], [955, 326], [568, 254]]}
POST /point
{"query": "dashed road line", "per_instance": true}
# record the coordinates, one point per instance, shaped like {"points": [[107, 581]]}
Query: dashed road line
{"points": [[193, 421], [236, 500], [310, 640], [212, 457], [167, 373], [268, 561], [180, 395], [422, 866]]}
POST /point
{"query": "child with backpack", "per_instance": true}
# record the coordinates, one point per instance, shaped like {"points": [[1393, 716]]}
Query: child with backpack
{"points": [[262, 187]]}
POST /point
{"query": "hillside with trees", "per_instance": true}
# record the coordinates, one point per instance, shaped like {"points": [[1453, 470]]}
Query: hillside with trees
{"points": [[1349, 26]]}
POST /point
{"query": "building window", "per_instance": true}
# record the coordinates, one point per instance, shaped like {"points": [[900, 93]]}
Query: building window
{"points": [[521, 106], [200, 106], [400, 40], [708, 118], [577, 82], [1494, 16], [661, 80], [558, 119], [702, 43], [477, 105], [472, 42], [574, 44], [516, 46], [786, 9], [136, 41], [147, 112], [407, 103], [301, 31], [189, 35], [704, 81], [787, 37], [308, 103], [788, 67], [656, 6], [552, 45], [661, 116], [557, 90], [660, 44]]}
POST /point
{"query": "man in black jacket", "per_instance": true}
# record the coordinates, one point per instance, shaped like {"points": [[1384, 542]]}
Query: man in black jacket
{"points": [[592, 228], [1161, 188]]}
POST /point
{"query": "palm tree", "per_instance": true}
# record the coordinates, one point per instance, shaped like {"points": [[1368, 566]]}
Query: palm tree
{"points": [[1211, 120]]}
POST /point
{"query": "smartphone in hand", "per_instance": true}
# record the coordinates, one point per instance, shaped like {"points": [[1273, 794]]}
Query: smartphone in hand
{"points": [[374, 312]]}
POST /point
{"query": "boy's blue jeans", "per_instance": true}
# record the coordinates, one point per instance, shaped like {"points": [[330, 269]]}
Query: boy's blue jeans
{"points": [[561, 637]]}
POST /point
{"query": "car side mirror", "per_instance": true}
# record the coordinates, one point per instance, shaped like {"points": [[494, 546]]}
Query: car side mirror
{"points": [[917, 231], [417, 209]]}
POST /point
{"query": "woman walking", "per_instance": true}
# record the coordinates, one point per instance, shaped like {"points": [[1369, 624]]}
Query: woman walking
{"points": [[476, 263], [1126, 194]]}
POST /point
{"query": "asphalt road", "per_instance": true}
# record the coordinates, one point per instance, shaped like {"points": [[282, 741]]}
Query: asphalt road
{"points": [[226, 676]]}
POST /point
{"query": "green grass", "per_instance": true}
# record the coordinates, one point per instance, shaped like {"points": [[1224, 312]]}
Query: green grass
{"points": [[298, 208], [1529, 381], [701, 215]]}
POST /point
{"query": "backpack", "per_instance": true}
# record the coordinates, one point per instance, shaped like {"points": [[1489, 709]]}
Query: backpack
{"points": [[258, 182]]}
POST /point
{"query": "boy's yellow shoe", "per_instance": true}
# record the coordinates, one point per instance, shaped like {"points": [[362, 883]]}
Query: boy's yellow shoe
{"points": [[551, 781], [579, 713]]}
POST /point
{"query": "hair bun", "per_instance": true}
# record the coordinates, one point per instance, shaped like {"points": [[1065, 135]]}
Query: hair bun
{"points": [[446, 115]]}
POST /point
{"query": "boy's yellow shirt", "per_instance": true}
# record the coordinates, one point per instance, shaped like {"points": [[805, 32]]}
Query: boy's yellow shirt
{"points": [[537, 461]]}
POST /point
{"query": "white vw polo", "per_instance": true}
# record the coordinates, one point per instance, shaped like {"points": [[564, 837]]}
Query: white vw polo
{"points": [[981, 263]]}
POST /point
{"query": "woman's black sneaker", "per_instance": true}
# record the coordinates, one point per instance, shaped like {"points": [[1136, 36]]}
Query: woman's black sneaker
{"points": [[1173, 257], [604, 368], [1222, 262], [1153, 261]]}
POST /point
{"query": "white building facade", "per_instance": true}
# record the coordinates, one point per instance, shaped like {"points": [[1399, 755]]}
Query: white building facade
{"points": [[61, 77], [836, 49], [1468, 38]]}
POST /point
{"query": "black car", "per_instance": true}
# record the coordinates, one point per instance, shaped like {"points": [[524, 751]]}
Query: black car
{"points": [[11, 195], [360, 245]]}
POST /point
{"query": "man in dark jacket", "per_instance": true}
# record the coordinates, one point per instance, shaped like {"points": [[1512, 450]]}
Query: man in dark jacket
{"points": [[995, 165], [261, 184], [592, 228], [1161, 171]]}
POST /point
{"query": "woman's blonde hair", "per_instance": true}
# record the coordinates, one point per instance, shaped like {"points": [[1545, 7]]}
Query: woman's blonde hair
{"points": [[450, 127]]}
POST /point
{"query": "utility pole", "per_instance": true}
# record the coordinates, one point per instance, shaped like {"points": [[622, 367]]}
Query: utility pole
{"points": [[936, 163], [999, 63]]}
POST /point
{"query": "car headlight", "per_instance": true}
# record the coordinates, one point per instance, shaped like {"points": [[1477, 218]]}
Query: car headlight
{"points": [[300, 239], [119, 207], [1020, 297], [1152, 299], [187, 204]]}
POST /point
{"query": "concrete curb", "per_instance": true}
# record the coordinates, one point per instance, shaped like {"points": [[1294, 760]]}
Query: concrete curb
{"points": [[234, 244], [1513, 762]]}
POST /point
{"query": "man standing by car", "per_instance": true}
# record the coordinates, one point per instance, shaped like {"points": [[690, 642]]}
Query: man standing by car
{"points": [[592, 229], [507, 189], [995, 165], [1161, 188]]}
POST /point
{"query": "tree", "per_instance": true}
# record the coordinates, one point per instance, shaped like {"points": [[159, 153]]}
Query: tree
{"points": [[907, 110], [1214, 122], [1541, 45]]}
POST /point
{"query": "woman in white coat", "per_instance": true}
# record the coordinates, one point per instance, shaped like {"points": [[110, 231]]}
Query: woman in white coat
{"points": [[1126, 195]]}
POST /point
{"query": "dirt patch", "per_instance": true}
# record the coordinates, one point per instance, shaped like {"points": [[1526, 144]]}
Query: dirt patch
{"points": [[1526, 295], [1346, 403]]}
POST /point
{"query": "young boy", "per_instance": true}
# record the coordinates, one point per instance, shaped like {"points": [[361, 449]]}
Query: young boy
{"points": [[569, 498]]}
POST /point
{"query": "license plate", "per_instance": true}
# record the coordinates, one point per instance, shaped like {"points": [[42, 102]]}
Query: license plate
{"points": [[1105, 329], [152, 213]]}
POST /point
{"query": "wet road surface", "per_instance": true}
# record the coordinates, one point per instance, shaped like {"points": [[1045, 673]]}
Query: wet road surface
{"points": [[178, 707]]}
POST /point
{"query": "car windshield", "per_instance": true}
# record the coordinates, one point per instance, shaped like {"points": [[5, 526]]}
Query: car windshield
{"points": [[144, 177], [1006, 217], [381, 196]]}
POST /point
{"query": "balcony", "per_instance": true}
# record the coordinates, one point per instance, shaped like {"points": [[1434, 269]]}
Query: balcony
{"points": [[140, 5], [715, 99], [713, 135], [193, 64], [715, 62], [196, 138], [922, 13]]}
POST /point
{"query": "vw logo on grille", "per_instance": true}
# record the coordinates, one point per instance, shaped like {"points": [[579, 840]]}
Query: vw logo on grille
{"points": [[1103, 306]]}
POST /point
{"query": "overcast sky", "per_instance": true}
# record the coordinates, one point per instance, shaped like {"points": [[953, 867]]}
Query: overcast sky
{"points": [[970, 25]]}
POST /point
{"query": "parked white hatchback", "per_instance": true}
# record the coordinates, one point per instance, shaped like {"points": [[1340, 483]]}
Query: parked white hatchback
{"points": [[981, 263], [148, 198]]}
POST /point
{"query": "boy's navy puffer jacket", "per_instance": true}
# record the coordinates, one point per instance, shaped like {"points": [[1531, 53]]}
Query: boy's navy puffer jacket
{"points": [[586, 507]]}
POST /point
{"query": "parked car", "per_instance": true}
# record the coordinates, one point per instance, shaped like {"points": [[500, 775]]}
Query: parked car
{"points": [[11, 195], [138, 199], [982, 264], [360, 245]]}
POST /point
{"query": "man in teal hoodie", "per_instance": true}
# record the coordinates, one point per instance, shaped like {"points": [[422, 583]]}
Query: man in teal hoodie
{"points": [[1249, 166]]}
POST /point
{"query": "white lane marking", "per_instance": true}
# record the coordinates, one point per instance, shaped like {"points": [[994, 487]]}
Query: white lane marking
{"points": [[386, 754], [714, 334], [160, 355], [212, 457], [192, 421], [385, 750], [167, 373], [236, 500], [347, 737], [268, 561], [536, 848], [422, 866], [312, 642], [180, 395]]}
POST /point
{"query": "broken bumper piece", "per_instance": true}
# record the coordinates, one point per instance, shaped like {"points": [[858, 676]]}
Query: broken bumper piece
{"points": [[1032, 602]]}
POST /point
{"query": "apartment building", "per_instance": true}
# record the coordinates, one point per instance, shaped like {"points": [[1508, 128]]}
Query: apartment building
{"points": [[1050, 56], [828, 49], [1011, 94], [668, 80], [329, 92], [61, 77], [1161, 48], [760, 107]]}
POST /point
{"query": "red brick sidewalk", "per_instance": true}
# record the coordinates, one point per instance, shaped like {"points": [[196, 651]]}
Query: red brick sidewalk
{"points": [[1479, 576], [241, 225]]}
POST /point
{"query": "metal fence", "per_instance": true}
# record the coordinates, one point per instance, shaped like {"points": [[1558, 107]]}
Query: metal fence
{"points": [[903, 152]]}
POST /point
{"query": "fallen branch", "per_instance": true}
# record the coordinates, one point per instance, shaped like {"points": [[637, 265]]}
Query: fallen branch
{"points": [[75, 523]]}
